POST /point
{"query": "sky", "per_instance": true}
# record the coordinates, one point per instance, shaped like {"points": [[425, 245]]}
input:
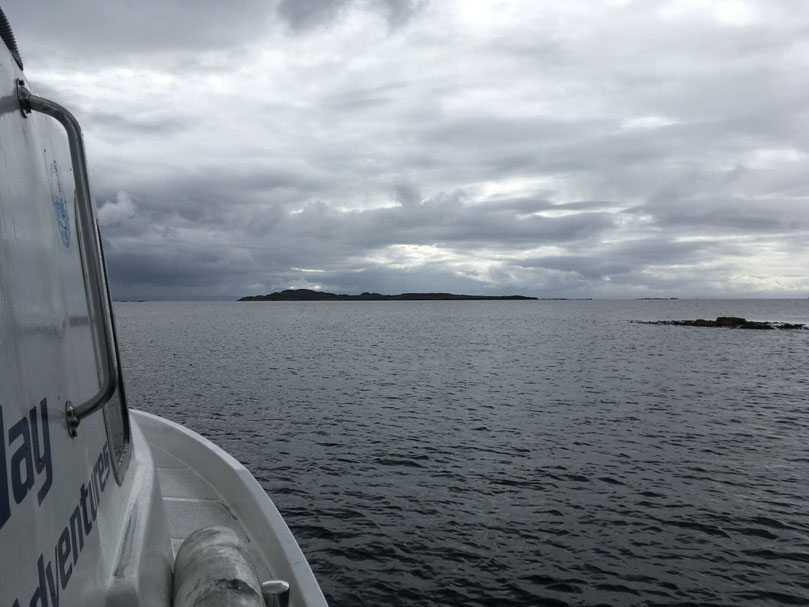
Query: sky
{"points": [[605, 149]]}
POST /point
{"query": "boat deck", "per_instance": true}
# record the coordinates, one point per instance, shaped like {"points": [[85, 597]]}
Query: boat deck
{"points": [[192, 503], [202, 485]]}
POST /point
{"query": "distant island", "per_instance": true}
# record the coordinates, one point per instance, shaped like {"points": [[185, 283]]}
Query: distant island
{"points": [[310, 295]]}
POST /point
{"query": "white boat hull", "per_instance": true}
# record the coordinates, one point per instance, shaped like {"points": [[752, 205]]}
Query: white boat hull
{"points": [[94, 504]]}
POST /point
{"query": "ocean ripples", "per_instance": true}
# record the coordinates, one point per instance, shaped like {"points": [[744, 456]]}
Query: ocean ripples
{"points": [[502, 453]]}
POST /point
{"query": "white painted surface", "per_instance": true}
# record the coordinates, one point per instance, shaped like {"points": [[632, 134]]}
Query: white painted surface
{"points": [[62, 514], [204, 485], [69, 533]]}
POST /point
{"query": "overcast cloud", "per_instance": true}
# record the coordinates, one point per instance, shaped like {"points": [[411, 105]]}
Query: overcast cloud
{"points": [[559, 149]]}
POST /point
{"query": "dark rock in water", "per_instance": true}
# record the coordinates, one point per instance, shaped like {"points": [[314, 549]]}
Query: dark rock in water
{"points": [[732, 322], [729, 321], [741, 323]]}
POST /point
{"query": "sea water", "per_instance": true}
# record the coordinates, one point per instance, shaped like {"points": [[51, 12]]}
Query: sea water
{"points": [[505, 452]]}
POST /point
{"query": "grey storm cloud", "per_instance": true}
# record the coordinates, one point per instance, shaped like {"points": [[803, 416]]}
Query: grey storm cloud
{"points": [[97, 32], [582, 149], [100, 31], [632, 256], [303, 15]]}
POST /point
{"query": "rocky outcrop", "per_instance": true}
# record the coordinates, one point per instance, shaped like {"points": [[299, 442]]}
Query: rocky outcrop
{"points": [[731, 322]]}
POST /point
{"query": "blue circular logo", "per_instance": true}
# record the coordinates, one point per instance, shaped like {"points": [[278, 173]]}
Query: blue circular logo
{"points": [[59, 205]]}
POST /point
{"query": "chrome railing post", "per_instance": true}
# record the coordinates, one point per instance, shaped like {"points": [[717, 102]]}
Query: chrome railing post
{"points": [[275, 593]]}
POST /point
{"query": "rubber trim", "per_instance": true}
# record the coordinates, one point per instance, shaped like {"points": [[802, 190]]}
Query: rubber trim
{"points": [[7, 35]]}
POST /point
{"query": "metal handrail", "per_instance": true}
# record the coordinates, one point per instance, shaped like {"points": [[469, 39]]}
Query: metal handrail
{"points": [[90, 249]]}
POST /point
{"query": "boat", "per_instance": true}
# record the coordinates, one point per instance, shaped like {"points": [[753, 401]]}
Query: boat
{"points": [[101, 504]]}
